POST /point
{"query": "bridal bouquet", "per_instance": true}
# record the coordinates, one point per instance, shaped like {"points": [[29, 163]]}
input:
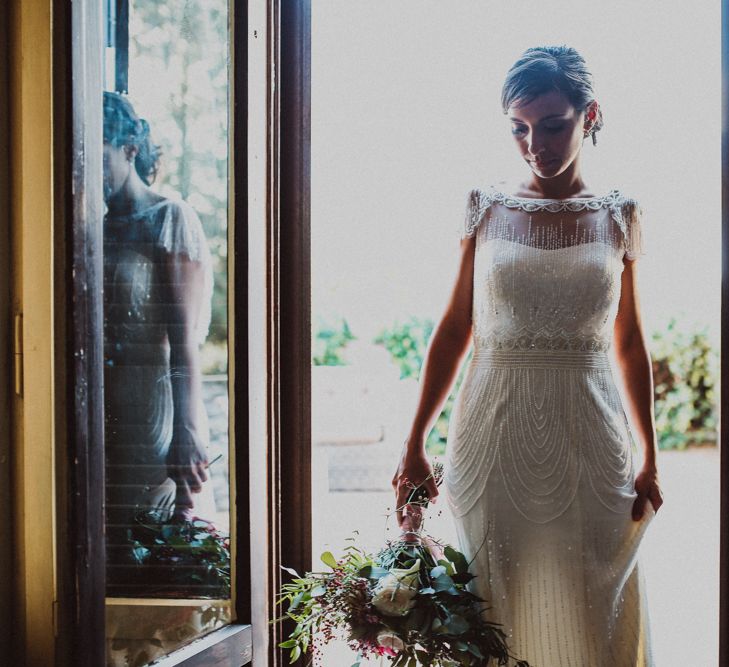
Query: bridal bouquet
{"points": [[408, 603]]}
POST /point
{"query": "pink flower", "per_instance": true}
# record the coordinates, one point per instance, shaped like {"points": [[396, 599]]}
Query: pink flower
{"points": [[389, 643], [384, 650]]}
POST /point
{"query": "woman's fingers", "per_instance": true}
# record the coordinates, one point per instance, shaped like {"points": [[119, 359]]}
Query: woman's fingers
{"points": [[401, 495], [183, 501], [195, 478], [432, 490], [409, 528], [202, 472], [639, 506], [414, 471], [655, 496], [190, 477]]}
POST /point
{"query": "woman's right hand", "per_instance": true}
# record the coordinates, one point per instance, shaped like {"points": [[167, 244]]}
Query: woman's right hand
{"points": [[413, 470], [187, 464]]}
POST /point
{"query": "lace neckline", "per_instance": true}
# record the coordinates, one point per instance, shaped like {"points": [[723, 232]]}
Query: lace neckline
{"points": [[554, 199], [551, 204]]}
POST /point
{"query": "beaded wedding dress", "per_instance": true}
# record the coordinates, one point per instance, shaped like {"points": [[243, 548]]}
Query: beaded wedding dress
{"points": [[138, 396], [540, 460]]}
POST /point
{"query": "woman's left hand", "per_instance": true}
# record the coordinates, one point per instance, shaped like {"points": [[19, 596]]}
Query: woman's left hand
{"points": [[647, 488], [187, 465]]}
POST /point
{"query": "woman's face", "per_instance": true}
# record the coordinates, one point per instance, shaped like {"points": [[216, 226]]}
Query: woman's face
{"points": [[116, 169], [549, 132]]}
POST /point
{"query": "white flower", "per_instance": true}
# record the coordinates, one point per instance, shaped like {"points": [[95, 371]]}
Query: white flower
{"points": [[395, 592], [389, 639]]}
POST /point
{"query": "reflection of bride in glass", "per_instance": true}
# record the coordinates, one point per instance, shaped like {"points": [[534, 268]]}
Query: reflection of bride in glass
{"points": [[157, 296]]}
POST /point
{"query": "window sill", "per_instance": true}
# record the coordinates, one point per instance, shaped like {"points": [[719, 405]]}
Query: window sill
{"points": [[230, 646]]}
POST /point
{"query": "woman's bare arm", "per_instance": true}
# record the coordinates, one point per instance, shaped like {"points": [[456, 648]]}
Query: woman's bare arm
{"points": [[186, 459], [448, 345], [635, 366]]}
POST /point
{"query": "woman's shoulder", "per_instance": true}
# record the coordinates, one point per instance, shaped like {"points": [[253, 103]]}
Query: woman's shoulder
{"points": [[181, 230], [178, 208]]}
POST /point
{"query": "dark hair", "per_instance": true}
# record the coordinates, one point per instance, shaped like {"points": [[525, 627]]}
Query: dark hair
{"points": [[541, 69], [122, 127]]}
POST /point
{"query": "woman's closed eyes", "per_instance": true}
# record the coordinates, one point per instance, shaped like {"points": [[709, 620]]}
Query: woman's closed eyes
{"points": [[552, 129]]}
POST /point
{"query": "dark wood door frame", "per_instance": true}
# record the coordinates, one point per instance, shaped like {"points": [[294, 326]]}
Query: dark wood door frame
{"points": [[724, 379], [290, 525], [79, 171]]}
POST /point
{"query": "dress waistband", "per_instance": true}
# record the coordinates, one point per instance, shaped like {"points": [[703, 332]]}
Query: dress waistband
{"points": [[577, 359]]}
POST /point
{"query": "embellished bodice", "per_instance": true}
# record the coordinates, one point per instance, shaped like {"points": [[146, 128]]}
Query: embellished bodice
{"points": [[137, 248], [540, 459], [547, 272]]}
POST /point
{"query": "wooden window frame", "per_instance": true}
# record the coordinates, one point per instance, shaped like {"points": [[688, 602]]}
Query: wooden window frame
{"points": [[270, 330], [724, 351]]}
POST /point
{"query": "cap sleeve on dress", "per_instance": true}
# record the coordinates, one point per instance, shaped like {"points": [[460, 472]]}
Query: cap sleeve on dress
{"points": [[477, 202], [632, 215], [182, 233]]}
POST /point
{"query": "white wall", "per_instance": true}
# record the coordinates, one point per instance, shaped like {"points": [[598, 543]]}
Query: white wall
{"points": [[406, 119]]}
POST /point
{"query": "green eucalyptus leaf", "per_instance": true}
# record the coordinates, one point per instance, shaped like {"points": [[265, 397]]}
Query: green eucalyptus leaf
{"points": [[457, 625], [442, 583], [457, 558], [296, 601], [462, 577], [328, 559], [473, 648]]}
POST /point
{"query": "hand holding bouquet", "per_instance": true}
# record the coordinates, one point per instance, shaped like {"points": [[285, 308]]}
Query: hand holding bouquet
{"points": [[409, 602]]}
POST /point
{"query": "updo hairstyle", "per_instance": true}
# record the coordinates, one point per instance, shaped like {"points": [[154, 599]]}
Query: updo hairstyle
{"points": [[541, 69], [122, 127]]}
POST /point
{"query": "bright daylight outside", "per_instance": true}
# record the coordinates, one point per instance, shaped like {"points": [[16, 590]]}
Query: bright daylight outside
{"points": [[406, 120]]}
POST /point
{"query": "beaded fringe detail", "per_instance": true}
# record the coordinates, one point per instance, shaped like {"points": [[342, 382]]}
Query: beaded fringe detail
{"points": [[625, 211]]}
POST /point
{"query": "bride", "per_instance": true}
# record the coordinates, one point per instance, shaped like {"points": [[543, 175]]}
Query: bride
{"points": [[548, 491]]}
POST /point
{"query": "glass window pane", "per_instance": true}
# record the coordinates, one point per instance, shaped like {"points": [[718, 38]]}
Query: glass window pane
{"points": [[165, 325]]}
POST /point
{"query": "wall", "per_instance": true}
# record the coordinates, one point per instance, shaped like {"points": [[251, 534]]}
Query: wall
{"points": [[5, 349]]}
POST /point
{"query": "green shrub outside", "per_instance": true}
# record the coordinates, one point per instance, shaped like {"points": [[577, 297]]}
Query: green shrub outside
{"points": [[328, 343], [685, 374], [407, 343]]}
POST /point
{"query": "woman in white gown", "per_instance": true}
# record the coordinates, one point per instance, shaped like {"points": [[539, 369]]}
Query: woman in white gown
{"points": [[158, 285], [541, 471]]}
